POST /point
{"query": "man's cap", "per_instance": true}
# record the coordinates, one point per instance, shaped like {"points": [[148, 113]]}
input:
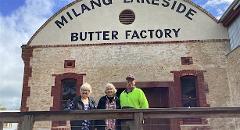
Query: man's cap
{"points": [[130, 77]]}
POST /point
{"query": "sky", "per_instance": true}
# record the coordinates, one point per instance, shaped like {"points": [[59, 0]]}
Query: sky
{"points": [[19, 19]]}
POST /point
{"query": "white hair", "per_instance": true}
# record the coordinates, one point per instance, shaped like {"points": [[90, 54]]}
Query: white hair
{"points": [[86, 87], [110, 85]]}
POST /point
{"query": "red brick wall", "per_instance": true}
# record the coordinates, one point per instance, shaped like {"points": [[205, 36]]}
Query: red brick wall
{"points": [[26, 56]]}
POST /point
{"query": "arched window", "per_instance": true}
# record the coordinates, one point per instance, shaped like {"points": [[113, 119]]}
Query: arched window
{"points": [[189, 91], [68, 91]]}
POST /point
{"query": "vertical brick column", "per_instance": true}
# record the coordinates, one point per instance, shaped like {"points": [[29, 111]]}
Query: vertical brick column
{"points": [[202, 90], [26, 56], [175, 101]]}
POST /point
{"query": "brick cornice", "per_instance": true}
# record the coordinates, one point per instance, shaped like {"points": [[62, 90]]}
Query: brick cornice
{"points": [[130, 43], [188, 72], [145, 84]]}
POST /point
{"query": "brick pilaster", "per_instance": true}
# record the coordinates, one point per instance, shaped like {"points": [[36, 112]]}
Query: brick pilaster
{"points": [[26, 56]]}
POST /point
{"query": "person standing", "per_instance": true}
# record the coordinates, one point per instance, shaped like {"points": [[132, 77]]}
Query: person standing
{"points": [[82, 102], [109, 102], [132, 98]]}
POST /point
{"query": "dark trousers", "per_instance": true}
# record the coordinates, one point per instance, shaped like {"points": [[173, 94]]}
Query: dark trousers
{"points": [[77, 125], [127, 125]]}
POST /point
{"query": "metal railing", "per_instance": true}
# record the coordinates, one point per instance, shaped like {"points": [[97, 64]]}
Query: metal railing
{"points": [[27, 119]]}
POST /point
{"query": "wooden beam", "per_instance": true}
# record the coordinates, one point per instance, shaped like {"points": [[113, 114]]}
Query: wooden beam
{"points": [[82, 116], [10, 117], [1, 125], [198, 115], [19, 126], [219, 112]]}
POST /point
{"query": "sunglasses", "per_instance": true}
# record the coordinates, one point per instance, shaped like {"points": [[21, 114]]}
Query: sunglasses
{"points": [[129, 81], [85, 92]]}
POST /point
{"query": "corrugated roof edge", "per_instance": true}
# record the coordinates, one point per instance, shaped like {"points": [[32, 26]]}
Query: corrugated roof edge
{"points": [[227, 18]]}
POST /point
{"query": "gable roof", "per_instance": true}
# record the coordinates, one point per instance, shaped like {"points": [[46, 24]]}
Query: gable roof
{"points": [[43, 39]]}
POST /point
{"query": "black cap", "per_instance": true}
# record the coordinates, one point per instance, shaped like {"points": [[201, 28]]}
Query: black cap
{"points": [[130, 77]]}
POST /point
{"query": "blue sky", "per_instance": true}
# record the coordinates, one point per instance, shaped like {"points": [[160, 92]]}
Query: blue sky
{"points": [[8, 6], [19, 19]]}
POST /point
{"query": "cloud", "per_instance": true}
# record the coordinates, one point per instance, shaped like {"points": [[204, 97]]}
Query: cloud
{"points": [[217, 7], [217, 2], [214, 3], [220, 13], [16, 29]]}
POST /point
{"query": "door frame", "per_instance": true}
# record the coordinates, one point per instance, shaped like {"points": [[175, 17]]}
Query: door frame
{"points": [[56, 93], [174, 123]]}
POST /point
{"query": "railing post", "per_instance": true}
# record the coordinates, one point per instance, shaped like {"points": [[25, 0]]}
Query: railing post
{"points": [[138, 121], [19, 127], [1, 125], [28, 122]]}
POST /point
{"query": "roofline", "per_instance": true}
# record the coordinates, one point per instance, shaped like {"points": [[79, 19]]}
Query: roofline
{"points": [[76, 1], [231, 13], [50, 19], [201, 9]]}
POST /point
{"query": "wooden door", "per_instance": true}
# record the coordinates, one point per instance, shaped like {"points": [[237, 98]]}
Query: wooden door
{"points": [[158, 97]]}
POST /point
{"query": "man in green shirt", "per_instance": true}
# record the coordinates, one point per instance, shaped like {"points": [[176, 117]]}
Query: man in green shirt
{"points": [[132, 98]]}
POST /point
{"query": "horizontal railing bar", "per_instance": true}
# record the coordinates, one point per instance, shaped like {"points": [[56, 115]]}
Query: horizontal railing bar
{"points": [[172, 116], [83, 116], [206, 112]]}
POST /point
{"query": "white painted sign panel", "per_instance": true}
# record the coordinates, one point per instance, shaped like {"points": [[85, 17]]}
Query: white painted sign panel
{"points": [[99, 21]]}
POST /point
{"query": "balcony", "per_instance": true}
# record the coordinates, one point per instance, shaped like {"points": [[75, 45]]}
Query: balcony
{"points": [[139, 116]]}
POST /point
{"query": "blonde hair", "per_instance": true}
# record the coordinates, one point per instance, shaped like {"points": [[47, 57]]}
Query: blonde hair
{"points": [[110, 85], [86, 87]]}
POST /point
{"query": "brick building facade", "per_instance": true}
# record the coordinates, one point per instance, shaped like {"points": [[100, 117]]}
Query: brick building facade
{"points": [[178, 52]]}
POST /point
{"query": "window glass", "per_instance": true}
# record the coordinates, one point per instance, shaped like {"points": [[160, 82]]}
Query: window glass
{"points": [[189, 93], [68, 91]]}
